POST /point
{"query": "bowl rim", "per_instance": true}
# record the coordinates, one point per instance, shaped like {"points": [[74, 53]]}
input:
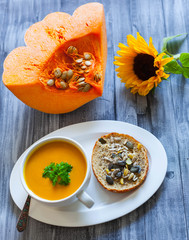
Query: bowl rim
{"points": [[42, 142]]}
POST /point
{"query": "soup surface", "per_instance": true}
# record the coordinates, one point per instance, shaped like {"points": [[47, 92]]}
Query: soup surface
{"points": [[56, 152]]}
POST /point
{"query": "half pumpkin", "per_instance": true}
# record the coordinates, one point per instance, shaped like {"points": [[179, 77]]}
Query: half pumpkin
{"points": [[63, 65]]}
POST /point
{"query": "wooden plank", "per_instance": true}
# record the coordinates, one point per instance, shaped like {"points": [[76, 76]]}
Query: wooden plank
{"points": [[166, 214], [179, 87], [132, 225], [156, 115], [25, 125]]}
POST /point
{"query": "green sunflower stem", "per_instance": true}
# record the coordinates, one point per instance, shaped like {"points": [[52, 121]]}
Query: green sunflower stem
{"points": [[168, 53]]}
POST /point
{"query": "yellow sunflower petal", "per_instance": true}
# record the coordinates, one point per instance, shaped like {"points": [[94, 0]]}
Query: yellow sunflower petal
{"points": [[142, 42], [151, 46], [153, 81], [122, 46], [131, 41], [165, 75], [166, 60]]}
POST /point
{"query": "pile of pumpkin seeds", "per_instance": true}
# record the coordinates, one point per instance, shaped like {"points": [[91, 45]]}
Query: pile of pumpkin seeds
{"points": [[76, 73], [121, 163], [61, 78]]}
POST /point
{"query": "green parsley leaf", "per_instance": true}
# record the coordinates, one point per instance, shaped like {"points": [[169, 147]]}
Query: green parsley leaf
{"points": [[184, 59], [58, 173], [48, 170], [173, 67]]}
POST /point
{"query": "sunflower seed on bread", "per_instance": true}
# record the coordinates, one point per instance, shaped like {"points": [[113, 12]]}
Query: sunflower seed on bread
{"points": [[116, 171]]}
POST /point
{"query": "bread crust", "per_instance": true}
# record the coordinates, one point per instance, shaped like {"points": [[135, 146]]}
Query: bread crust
{"points": [[98, 162]]}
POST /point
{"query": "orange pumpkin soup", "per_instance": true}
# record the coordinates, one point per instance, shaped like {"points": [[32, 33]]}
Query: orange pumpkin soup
{"points": [[57, 151]]}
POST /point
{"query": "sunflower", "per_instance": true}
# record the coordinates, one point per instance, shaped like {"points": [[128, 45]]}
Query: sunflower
{"points": [[140, 66]]}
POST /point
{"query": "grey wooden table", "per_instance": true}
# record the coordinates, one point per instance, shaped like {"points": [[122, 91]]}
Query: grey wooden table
{"points": [[165, 114]]}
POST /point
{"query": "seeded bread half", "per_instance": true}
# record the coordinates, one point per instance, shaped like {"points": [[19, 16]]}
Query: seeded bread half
{"points": [[119, 162]]}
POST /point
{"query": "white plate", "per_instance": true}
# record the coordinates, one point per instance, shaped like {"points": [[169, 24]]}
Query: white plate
{"points": [[108, 205]]}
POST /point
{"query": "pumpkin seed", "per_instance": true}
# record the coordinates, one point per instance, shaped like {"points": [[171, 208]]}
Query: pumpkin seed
{"points": [[117, 166], [114, 172], [119, 174], [81, 84], [72, 50], [79, 60], [81, 72], [129, 145], [88, 63], [109, 180], [121, 163], [83, 67], [87, 56], [87, 71], [57, 72], [134, 169], [81, 79], [50, 82], [110, 166], [87, 88], [80, 89], [64, 75], [102, 141], [63, 85], [69, 74]]}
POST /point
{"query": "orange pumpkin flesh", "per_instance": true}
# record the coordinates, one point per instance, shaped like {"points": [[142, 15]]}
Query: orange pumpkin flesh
{"points": [[28, 69]]}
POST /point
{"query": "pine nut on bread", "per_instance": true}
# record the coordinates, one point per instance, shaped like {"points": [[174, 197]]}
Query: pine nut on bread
{"points": [[119, 162]]}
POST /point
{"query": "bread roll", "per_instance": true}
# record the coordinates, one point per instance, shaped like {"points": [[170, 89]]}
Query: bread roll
{"points": [[119, 162]]}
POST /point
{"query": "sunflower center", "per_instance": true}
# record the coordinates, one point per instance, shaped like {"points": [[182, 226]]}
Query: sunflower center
{"points": [[144, 66]]}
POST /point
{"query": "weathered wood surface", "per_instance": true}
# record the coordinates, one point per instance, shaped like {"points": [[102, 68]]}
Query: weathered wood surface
{"points": [[166, 115]]}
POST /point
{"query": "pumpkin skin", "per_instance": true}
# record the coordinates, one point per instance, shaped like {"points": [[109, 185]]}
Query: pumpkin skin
{"points": [[27, 69]]}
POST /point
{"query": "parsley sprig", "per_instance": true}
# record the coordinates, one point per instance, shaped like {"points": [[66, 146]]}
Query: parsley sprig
{"points": [[58, 173]]}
